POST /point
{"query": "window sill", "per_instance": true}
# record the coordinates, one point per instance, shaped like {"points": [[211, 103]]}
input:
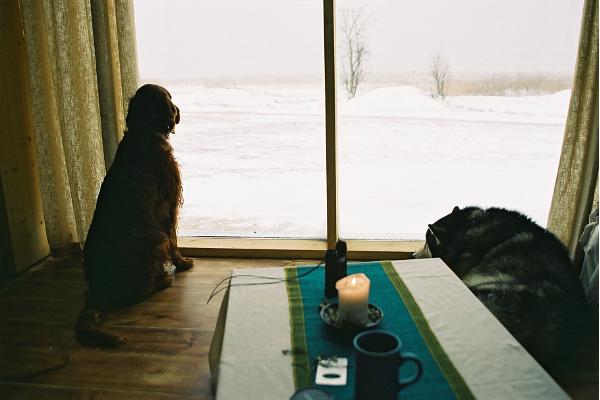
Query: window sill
{"points": [[294, 248]]}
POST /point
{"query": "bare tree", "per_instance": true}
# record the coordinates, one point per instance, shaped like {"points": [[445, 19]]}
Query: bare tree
{"points": [[354, 50], [438, 69]]}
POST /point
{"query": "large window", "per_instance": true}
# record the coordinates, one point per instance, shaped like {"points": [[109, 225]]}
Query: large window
{"points": [[439, 104], [248, 77], [452, 103]]}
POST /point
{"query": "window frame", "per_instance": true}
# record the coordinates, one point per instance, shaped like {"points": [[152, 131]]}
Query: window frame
{"points": [[242, 247]]}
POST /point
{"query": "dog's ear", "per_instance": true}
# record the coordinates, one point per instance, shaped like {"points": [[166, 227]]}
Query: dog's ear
{"points": [[455, 210], [174, 117]]}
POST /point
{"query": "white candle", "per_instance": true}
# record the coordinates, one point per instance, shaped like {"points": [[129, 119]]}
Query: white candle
{"points": [[353, 295]]}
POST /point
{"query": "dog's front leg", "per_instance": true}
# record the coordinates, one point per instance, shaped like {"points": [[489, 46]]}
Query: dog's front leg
{"points": [[160, 281], [181, 263]]}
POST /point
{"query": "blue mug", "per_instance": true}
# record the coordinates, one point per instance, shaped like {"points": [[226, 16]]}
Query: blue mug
{"points": [[378, 361]]}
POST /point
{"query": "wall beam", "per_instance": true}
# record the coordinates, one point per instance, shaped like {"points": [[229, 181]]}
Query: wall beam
{"points": [[22, 229]]}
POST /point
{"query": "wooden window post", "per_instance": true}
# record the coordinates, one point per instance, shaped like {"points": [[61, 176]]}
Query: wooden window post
{"points": [[330, 121]]}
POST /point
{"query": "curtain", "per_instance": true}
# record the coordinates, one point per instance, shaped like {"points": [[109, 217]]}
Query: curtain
{"points": [[78, 94], [116, 67], [576, 182]]}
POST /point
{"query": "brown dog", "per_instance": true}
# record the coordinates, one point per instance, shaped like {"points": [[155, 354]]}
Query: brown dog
{"points": [[132, 237]]}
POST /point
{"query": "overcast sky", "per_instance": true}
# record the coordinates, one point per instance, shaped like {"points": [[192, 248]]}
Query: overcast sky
{"points": [[208, 39]]}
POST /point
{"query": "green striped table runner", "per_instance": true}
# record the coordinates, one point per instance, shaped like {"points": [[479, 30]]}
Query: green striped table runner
{"points": [[312, 338]]}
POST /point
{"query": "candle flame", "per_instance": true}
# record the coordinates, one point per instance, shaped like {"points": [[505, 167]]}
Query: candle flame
{"points": [[353, 283]]}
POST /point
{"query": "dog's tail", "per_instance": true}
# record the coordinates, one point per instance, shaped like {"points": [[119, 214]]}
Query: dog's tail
{"points": [[88, 333]]}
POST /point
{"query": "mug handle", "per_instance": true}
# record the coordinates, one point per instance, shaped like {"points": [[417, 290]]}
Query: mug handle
{"points": [[410, 357]]}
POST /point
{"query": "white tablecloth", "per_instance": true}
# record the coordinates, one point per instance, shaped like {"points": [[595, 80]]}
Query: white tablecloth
{"points": [[248, 363]]}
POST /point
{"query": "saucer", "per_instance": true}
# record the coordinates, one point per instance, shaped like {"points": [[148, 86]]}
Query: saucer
{"points": [[329, 315]]}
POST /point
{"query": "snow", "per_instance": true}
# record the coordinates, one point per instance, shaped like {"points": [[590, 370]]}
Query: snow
{"points": [[253, 158]]}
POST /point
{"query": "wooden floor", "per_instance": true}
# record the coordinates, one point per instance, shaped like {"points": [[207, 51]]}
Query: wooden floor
{"points": [[169, 336]]}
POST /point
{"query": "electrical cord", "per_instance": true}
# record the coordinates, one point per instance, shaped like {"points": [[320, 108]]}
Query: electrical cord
{"points": [[275, 280]]}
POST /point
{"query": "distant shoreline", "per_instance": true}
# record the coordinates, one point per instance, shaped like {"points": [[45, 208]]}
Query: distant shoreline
{"points": [[496, 84]]}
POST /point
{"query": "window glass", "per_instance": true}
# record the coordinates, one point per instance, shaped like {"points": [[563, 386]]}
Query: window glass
{"points": [[445, 103], [248, 78]]}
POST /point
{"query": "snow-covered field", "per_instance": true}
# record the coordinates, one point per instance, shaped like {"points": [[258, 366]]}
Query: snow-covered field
{"points": [[253, 158]]}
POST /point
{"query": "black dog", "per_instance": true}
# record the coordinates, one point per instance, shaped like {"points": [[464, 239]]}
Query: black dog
{"points": [[520, 271], [132, 238]]}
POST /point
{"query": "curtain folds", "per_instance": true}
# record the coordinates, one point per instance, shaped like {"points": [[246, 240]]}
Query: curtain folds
{"points": [[576, 182], [127, 50], [108, 71], [77, 102]]}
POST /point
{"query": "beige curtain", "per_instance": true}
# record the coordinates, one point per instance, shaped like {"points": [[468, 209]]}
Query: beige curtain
{"points": [[116, 67], [78, 92], [577, 177]]}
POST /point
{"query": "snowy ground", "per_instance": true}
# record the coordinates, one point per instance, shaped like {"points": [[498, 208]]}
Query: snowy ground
{"points": [[253, 159]]}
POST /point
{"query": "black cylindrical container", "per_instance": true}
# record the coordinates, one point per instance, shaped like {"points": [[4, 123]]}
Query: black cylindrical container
{"points": [[331, 273], [342, 267]]}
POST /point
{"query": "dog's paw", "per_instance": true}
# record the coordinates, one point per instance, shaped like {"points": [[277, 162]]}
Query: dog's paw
{"points": [[183, 264], [164, 281]]}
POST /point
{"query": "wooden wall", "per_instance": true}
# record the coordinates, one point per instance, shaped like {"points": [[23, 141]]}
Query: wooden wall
{"points": [[23, 240]]}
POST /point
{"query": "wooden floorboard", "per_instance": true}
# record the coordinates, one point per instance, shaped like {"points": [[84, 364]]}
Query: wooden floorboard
{"points": [[168, 338], [11, 390]]}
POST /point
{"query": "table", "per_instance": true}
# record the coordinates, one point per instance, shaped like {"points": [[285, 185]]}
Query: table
{"points": [[253, 328]]}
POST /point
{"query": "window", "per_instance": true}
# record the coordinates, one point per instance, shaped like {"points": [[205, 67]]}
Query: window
{"points": [[407, 153], [248, 77]]}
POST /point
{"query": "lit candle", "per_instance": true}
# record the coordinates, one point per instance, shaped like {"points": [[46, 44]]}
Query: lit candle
{"points": [[353, 294]]}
